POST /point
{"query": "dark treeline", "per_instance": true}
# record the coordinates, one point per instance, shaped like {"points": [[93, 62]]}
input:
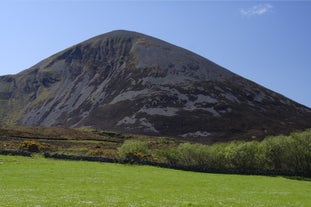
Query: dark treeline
{"points": [[287, 155]]}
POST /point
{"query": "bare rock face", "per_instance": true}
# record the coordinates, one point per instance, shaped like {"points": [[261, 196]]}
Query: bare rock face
{"points": [[130, 82]]}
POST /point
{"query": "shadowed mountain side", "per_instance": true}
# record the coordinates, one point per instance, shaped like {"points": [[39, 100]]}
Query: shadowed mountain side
{"points": [[130, 82]]}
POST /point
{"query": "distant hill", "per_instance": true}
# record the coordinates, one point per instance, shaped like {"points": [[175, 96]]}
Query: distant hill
{"points": [[133, 83]]}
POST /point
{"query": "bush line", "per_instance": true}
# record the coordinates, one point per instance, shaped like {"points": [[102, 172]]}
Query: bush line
{"points": [[278, 155]]}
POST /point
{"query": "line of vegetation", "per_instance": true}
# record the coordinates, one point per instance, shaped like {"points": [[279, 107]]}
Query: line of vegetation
{"points": [[287, 155]]}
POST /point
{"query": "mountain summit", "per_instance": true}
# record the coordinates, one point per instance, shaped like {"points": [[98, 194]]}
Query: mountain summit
{"points": [[130, 82]]}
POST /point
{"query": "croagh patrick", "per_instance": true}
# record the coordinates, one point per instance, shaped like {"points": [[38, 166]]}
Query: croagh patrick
{"points": [[130, 82]]}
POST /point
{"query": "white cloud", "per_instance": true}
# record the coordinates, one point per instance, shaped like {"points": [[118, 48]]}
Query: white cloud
{"points": [[257, 10]]}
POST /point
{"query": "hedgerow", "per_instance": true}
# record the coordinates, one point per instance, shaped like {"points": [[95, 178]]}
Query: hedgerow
{"points": [[279, 154]]}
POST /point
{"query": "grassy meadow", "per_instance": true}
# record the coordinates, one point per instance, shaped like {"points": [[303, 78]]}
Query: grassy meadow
{"points": [[37, 181]]}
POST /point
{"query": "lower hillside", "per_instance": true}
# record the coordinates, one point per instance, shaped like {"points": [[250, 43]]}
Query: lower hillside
{"points": [[46, 182], [286, 155]]}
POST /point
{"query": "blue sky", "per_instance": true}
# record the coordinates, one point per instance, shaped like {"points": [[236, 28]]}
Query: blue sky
{"points": [[268, 42]]}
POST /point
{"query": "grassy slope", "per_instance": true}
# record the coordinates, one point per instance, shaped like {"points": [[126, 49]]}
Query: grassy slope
{"points": [[46, 182]]}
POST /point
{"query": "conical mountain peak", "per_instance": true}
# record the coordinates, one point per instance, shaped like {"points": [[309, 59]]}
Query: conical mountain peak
{"points": [[130, 82]]}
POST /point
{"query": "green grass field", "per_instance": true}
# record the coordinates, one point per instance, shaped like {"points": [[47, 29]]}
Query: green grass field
{"points": [[39, 182]]}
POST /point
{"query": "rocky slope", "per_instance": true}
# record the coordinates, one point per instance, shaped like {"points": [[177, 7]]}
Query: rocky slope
{"points": [[130, 82]]}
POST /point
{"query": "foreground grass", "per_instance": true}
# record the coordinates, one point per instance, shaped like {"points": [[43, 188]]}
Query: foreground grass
{"points": [[46, 182]]}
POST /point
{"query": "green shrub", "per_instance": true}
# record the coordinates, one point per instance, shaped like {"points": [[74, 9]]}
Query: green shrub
{"points": [[170, 156], [192, 154], [134, 151], [244, 155]]}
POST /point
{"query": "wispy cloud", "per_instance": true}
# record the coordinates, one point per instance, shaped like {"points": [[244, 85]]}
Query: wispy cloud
{"points": [[257, 10]]}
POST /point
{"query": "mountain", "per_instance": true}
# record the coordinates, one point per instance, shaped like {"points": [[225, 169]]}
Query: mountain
{"points": [[130, 82]]}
